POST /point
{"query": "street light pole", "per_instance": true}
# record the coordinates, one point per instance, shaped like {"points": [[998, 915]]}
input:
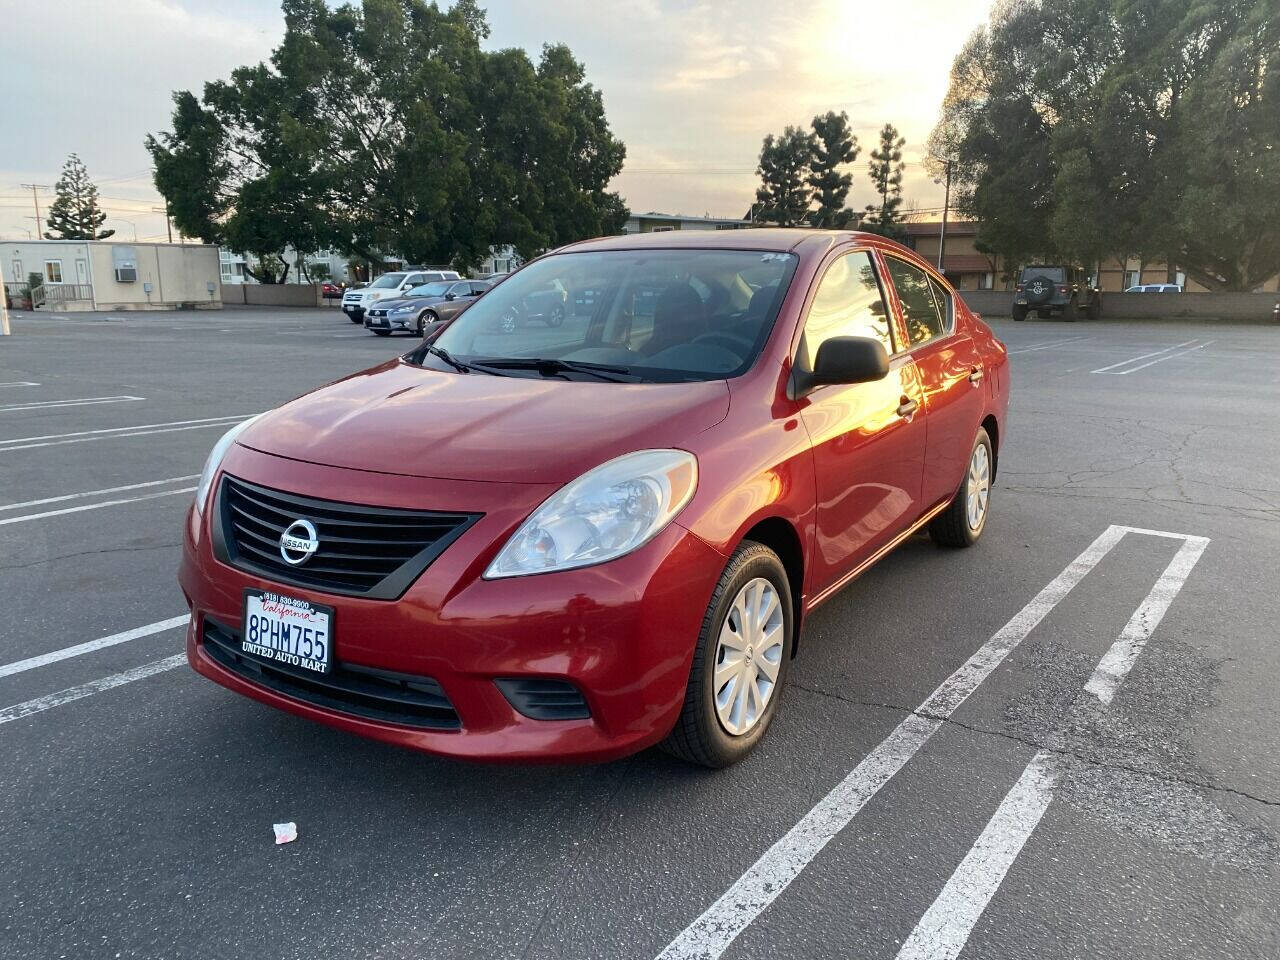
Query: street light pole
{"points": [[946, 203]]}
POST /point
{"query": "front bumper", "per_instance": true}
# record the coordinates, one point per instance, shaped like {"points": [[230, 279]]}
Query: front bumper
{"points": [[353, 309], [622, 633], [389, 322]]}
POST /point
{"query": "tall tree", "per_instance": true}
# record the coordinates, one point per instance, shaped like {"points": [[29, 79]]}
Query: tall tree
{"points": [[784, 193], [385, 128], [834, 146], [885, 170], [1140, 128], [76, 213]]}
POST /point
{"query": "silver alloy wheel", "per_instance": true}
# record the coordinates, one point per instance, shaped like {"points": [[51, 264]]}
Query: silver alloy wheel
{"points": [[977, 489], [748, 656]]}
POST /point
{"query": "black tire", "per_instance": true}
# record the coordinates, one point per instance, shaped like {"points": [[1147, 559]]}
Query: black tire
{"points": [[510, 320], [1069, 311], [951, 527], [1095, 308], [1038, 290], [383, 333], [698, 735], [1019, 313], [556, 316], [354, 319]]}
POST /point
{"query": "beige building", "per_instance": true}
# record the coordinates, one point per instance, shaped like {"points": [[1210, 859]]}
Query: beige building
{"points": [[969, 269], [112, 275]]}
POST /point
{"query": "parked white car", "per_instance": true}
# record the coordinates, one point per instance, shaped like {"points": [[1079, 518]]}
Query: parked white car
{"points": [[389, 286], [1155, 288]]}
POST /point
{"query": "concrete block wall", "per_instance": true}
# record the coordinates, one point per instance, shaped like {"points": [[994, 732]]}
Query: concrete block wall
{"points": [[1148, 306]]}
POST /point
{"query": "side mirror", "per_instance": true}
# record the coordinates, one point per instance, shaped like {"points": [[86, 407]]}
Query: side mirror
{"points": [[844, 360], [451, 296]]}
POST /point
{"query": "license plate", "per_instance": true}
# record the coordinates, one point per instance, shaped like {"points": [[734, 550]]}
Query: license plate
{"points": [[286, 630]]}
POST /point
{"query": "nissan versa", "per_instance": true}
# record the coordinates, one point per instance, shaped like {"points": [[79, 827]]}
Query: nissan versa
{"points": [[572, 542]]}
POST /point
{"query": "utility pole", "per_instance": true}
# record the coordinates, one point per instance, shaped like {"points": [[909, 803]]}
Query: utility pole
{"points": [[33, 187], [946, 203], [168, 224]]}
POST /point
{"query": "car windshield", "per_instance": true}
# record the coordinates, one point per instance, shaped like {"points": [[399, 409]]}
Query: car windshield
{"points": [[387, 280], [653, 315], [1056, 274], [436, 288]]}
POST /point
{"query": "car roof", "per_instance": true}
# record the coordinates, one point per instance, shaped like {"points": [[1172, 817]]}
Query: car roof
{"points": [[765, 239]]}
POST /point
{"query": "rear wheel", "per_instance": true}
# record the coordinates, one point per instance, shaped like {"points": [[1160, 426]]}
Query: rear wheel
{"points": [[556, 316], [1095, 308], [962, 523], [1069, 311], [740, 662], [1019, 313]]}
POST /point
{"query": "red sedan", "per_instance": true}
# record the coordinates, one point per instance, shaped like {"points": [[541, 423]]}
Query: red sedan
{"points": [[574, 542]]}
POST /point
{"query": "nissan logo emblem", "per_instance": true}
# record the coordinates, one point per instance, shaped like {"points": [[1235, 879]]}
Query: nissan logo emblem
{"points": [[298, 542]]}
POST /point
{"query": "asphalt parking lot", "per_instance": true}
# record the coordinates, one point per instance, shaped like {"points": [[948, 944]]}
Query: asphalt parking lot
{"points": [[1064, 742]]}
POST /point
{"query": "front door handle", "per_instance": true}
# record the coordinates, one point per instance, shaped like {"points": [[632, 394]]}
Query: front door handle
{"points": [[907, 408], [975, 376]]}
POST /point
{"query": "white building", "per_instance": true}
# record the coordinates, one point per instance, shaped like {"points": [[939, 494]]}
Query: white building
{"points": [[659, 222], [113, 275]]}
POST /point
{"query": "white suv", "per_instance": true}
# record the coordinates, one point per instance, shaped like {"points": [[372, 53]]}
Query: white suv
{"points": [[389, 286]]}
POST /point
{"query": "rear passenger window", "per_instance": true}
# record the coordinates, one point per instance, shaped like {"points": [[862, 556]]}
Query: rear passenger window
{"points": [[848, 304], [920, 310], [945, 305]]}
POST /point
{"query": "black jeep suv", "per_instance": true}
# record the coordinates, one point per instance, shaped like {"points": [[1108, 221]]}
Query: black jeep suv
{"points": [[1056, 289]]}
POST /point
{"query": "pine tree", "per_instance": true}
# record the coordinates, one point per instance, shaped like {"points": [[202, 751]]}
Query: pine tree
{"points": [[783, 196], [885, 170], [833, 147], [76, 213]]}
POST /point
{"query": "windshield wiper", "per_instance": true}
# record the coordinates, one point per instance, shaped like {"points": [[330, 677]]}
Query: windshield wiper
{"points": [[550, 366], [448, 358]]}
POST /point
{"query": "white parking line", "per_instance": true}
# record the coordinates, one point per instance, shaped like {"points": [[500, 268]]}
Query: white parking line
{"points": [[111, 433], [94, 506], [94, 493], [89, 646], [1046, 346], [20, 383], [945, 927], [1125, 363], [720, 924], [1171, 356], [40, 704], [54, 404]]}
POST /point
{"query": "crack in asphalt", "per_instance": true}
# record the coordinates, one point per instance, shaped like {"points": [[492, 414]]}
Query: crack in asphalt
{"points": [[1039, 745], [89, 553]]}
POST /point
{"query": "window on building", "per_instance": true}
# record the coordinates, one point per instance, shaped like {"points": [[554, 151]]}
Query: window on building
{"points": [[228, 271], [923, 317], [987, 281], [848, 304], [1131, 279], [53, 271]]}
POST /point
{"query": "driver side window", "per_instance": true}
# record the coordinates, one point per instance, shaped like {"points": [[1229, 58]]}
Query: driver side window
{"points": [[848, 303]]}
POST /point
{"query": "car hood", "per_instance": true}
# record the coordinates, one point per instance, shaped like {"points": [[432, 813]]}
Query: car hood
{"points": [[401, 419], [408, 302]]}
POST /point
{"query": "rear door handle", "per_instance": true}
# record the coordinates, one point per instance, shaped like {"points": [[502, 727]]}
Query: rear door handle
{"points": [[907, 408], [975, 376]]}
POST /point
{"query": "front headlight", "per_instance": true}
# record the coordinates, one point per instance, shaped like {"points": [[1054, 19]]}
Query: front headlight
{"points": [[607, 512], [215, 458], [407, 308]]}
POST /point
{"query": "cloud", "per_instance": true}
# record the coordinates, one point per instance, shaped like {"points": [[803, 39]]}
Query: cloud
{"points": [[691, 87]]}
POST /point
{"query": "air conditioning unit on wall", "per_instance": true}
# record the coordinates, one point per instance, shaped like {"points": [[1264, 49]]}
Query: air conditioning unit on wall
{"points": [[125, 261], [126, 275]]}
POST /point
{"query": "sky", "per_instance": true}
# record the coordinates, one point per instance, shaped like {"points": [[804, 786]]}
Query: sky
{"points": [[690, 87]]}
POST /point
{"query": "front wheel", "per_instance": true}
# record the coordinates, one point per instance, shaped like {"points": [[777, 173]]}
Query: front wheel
{"points": [[740, 662], [383, 333], [1095, 308], [355, 319], [964, 519], [556, 316]]}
